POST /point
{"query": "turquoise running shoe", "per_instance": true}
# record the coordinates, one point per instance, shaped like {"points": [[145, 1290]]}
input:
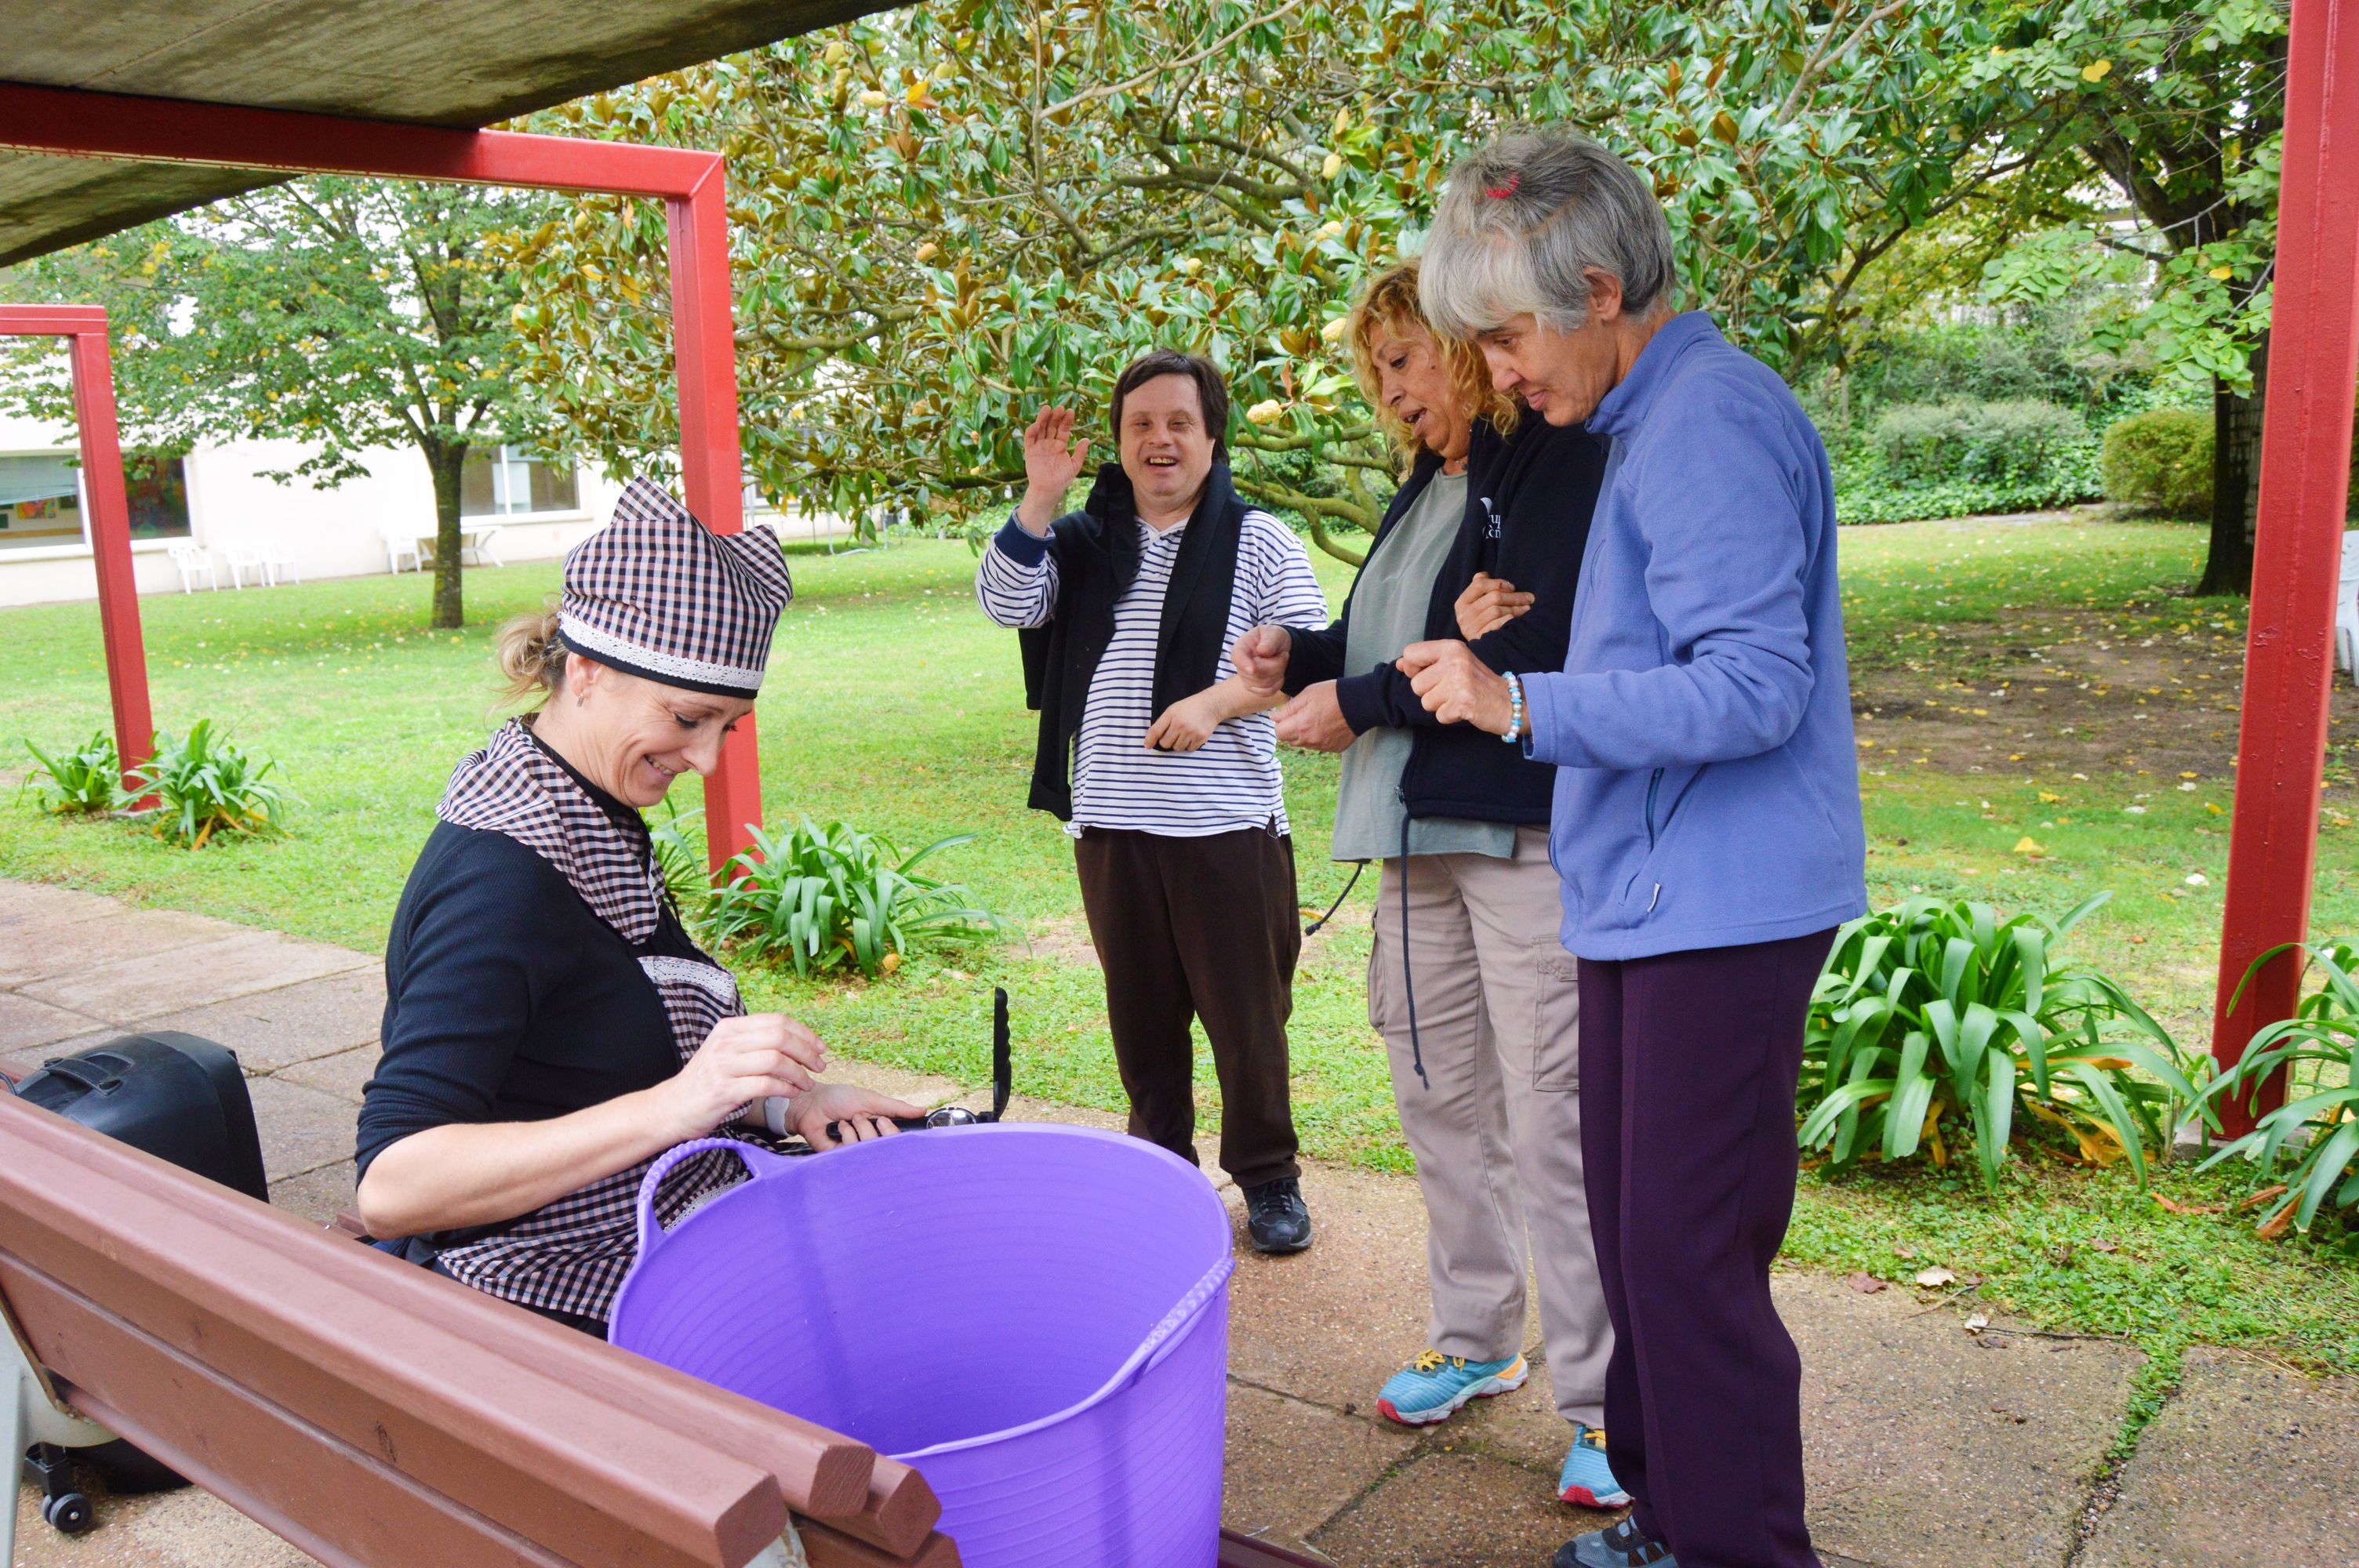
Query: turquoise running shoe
{"points": [[1587, 1480], [1434, 1387]]}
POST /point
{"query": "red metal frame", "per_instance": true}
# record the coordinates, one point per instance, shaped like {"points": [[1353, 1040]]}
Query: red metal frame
{"points": [[109, 520], [73, 124], [2298, 541]]}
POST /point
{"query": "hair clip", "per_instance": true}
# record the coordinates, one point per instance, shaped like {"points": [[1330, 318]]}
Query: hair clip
{"points": [[1501, 192]]}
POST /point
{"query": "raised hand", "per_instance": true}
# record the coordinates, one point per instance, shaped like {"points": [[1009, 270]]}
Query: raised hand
{"points": [[1488, 603], [1052, 461]]}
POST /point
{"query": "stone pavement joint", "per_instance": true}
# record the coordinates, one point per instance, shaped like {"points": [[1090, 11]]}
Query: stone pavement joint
{"points": [[1927, 1446]]}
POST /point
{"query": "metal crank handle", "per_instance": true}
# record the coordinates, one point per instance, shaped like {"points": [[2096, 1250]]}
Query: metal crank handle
{"points": [[944, 1115]]}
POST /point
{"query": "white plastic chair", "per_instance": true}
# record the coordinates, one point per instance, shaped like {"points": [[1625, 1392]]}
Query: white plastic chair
{"points": [[192, 558], [400, 543], [478, 537], [2346, 608], [244, 558]]}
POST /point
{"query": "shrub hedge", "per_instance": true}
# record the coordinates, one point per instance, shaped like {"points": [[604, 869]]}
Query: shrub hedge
{"points": [[2160, 461]]}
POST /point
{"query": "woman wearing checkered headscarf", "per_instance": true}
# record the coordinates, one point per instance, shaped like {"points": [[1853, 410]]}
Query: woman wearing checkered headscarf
{"points": [[550, 1027]]}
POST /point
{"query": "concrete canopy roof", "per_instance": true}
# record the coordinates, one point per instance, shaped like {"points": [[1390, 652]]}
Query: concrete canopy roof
{"points": [[442, 62]]}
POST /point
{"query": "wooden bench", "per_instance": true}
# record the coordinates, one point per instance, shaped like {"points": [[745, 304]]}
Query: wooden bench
{"points": [[377, 1415], [374, 1413]]}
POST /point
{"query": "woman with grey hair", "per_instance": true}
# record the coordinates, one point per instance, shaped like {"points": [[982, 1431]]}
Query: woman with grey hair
{"points": [[1706, 821]]}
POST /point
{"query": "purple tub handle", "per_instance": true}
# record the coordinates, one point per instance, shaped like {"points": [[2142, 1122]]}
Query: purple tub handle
{"points": [[1158, 1344], [649, 1231]]}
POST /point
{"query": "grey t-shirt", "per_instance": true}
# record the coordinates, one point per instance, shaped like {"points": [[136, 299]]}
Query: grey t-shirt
{"points": [[1388, 606]]}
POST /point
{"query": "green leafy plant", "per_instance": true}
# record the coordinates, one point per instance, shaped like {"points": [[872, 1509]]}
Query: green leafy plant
{"points": [[2325, 1030], [2160, 461], [678, 838], [209, 785], [1930, 1015], [83, 781], [824, 896]]}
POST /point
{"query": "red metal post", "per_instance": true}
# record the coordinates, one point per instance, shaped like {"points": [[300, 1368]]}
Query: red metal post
{"points": [[69, 122], [109, 519], [711, 463], [2305, 473]]}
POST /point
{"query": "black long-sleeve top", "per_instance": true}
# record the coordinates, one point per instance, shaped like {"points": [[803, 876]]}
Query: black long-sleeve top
{"points": [[1528, 501], [506, 999]]}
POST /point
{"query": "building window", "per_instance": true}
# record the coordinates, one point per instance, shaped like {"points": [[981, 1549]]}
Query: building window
{"points": [[40, 498], [511, 480], [158, 487]]}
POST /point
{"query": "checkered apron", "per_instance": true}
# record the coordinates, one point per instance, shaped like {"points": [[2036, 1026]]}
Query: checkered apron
{"points": [[572, 1255]]}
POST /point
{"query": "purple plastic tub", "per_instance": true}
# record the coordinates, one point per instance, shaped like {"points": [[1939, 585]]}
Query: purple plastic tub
{"points": [[1035, 1317]]}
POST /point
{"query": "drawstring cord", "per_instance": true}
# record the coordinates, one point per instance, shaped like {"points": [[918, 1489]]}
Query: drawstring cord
{"points": [[1357, 867], [1409, 988]]}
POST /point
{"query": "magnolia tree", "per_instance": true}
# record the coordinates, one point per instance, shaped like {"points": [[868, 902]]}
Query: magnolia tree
{"points": [[947, 216], [2180, 104], [343, 315]]}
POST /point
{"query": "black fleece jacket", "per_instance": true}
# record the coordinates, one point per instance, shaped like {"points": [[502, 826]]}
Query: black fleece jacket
{"points": [[1528, 501]]}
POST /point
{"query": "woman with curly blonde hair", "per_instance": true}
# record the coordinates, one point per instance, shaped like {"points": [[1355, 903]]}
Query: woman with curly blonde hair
{"points": [[1466, 982]]}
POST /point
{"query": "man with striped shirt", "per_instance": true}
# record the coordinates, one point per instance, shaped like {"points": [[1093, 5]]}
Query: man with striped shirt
{"points": [[1162, 760]]}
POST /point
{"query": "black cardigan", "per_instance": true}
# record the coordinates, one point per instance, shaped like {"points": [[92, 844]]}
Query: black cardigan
{"points": [[1528, 501]]}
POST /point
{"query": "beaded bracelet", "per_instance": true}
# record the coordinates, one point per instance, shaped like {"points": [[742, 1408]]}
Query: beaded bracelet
{"points": [[1515, 710]]}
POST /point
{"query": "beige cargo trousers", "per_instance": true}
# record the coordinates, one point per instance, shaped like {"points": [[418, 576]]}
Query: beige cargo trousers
{"points": [[1497, 1132]]}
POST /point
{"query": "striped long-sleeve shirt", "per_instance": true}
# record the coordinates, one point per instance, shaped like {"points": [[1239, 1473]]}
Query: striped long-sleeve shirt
{"points": [[1232, 781]]}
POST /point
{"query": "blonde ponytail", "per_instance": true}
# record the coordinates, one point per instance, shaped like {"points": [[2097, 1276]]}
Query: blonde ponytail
{"points": [[531, 659]]}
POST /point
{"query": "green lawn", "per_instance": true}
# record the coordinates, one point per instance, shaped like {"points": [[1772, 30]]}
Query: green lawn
{"points": [[892, 704]]}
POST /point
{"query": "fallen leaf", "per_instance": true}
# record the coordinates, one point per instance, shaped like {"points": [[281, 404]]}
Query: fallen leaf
{"points": [[1866, 1283], [2274, 1225], [2188, 1208], [1935, 1277], [2103, 1246], [2051, 796], [2027, 845], [1904, 1252], [2276, 1189], [1977, 1323]]}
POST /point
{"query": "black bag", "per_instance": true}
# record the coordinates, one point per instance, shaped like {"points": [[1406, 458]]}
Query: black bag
{"points": [[179, 1098]]}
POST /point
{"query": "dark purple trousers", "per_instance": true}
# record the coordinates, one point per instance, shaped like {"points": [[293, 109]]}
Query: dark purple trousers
{"points": [[1688, 1069]]}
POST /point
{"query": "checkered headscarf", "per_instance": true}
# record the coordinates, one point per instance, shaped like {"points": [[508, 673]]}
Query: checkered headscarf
{"points": [[656, 593]]}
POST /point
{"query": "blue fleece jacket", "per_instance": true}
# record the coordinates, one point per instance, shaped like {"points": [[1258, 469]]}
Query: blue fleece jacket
{"points": [[1707, 791]]}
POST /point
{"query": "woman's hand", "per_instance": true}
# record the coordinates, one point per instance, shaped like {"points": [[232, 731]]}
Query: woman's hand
{"points": [[862, 1113], [1051, 464], [1261, 656], [1457, 687], [1488, 603], [744, 1059], [1314, 722], [1188, 723]]}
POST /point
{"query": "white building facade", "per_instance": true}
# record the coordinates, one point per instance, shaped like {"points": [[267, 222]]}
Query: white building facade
{"points": [[216, 508]]}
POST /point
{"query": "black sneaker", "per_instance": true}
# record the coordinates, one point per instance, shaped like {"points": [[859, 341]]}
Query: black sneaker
{"points": [[1275, 1217]]}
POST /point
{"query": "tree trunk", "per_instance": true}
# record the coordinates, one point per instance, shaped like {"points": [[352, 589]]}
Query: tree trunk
{"points": [[446, 462], [2235, 480]]}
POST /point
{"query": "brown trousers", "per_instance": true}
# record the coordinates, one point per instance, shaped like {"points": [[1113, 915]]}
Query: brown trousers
{"points": [[1199, 928]]}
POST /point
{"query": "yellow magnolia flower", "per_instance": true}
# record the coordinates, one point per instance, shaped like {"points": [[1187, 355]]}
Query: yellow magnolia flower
{"points": [[1265, 413], [1333, 330], [1332, 167]]}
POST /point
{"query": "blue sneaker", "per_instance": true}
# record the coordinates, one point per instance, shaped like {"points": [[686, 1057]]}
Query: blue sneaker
{"points": [[1434, 1387], [1587, 1480]]}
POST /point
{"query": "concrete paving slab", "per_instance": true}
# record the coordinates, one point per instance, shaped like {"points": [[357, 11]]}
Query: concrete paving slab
{"points": [[316, 1196], [344, 1075], [1927, 1446], [2247, 1462], [186, 1529], [27, 1026], [1521, 1428], [292, 1022], [155, 983], [1292, 1467], [130, 937], [40, 903], [1418, 1519], [302, 1128], [1331, 1323]]}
